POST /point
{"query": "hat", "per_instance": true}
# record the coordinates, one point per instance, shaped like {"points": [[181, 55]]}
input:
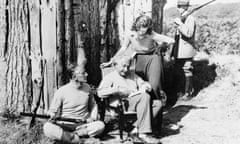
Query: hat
{"points": [[183, 2]]}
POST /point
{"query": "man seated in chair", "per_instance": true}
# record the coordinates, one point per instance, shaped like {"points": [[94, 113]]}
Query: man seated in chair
{"points": [[73, 100], [123, 83]]}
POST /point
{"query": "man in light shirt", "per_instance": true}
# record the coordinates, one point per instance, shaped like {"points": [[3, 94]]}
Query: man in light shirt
{"points": [[74, 100]]}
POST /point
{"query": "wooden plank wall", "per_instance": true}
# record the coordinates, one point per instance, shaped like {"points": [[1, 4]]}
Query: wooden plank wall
{"points": [[99, 29]]}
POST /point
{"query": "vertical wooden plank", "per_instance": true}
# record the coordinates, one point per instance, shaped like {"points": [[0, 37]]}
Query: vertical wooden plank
{"points": [[48, 27], [3, 27], [36, 55], [61, 60], [157, 11], [103, 17]]}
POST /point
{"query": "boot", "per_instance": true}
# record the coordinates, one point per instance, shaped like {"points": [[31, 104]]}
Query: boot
{"points": [[188, 88]]}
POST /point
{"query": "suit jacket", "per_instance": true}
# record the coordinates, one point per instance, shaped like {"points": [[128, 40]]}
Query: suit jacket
{"points": [[186, 45]]}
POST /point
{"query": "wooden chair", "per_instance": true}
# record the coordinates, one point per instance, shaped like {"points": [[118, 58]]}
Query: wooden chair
{"points": [[119, 106]]}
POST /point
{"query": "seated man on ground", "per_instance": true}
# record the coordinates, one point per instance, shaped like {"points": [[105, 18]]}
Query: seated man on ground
{"points": [[73, 100], [126, 84]]}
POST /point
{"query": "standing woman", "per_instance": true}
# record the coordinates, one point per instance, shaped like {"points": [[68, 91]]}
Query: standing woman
{"points": [[140, 43]]}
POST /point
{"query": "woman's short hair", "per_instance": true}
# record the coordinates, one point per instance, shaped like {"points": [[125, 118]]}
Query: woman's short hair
{"points": [[143, 21]]}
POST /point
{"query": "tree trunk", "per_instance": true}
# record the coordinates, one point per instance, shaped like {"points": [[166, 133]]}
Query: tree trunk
{"points": [[69, 25], [18, 78], [88, 13]]}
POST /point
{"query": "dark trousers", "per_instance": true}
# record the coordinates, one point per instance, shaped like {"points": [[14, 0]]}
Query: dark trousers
{"points": [[150, 68], [182, 71]]}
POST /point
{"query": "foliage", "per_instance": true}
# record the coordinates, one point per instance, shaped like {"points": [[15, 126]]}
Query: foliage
{"points": [[218, 29], [219, 35]]}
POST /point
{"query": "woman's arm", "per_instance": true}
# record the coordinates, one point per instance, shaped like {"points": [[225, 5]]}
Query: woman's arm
{"points": [[160, 39], [125, 45]]}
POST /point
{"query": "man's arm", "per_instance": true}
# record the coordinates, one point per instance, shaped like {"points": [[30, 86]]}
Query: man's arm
{"points": [[106, 87], [93, 109], [55, 104], [187, 29]]}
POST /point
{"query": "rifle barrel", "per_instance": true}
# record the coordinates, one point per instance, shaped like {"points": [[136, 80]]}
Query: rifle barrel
{"points": [[183, 18], [204, 4], [57, 118]]}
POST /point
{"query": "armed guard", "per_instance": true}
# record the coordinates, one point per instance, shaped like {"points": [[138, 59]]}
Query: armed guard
{"points": [[184, 50]]}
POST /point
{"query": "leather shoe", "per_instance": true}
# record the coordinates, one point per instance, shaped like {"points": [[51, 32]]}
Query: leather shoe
{"points": [[149, 139]]}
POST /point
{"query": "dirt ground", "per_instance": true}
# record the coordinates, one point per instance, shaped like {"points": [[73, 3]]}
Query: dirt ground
{"points": [[211, 117]]}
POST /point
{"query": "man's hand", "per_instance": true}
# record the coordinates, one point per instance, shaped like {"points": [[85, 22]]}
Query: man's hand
{"points": [[124, 91], [105, 92], [146, 87], [89, 120], [53, 117], [178, 21]]}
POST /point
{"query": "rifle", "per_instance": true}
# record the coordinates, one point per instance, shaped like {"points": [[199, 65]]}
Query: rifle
{"points": [[174, 51], [57, 118], [183, 17]]}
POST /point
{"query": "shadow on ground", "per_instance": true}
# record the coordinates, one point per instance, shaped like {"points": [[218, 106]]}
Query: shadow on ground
{"points": [[203, 75], [174, 115]]}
